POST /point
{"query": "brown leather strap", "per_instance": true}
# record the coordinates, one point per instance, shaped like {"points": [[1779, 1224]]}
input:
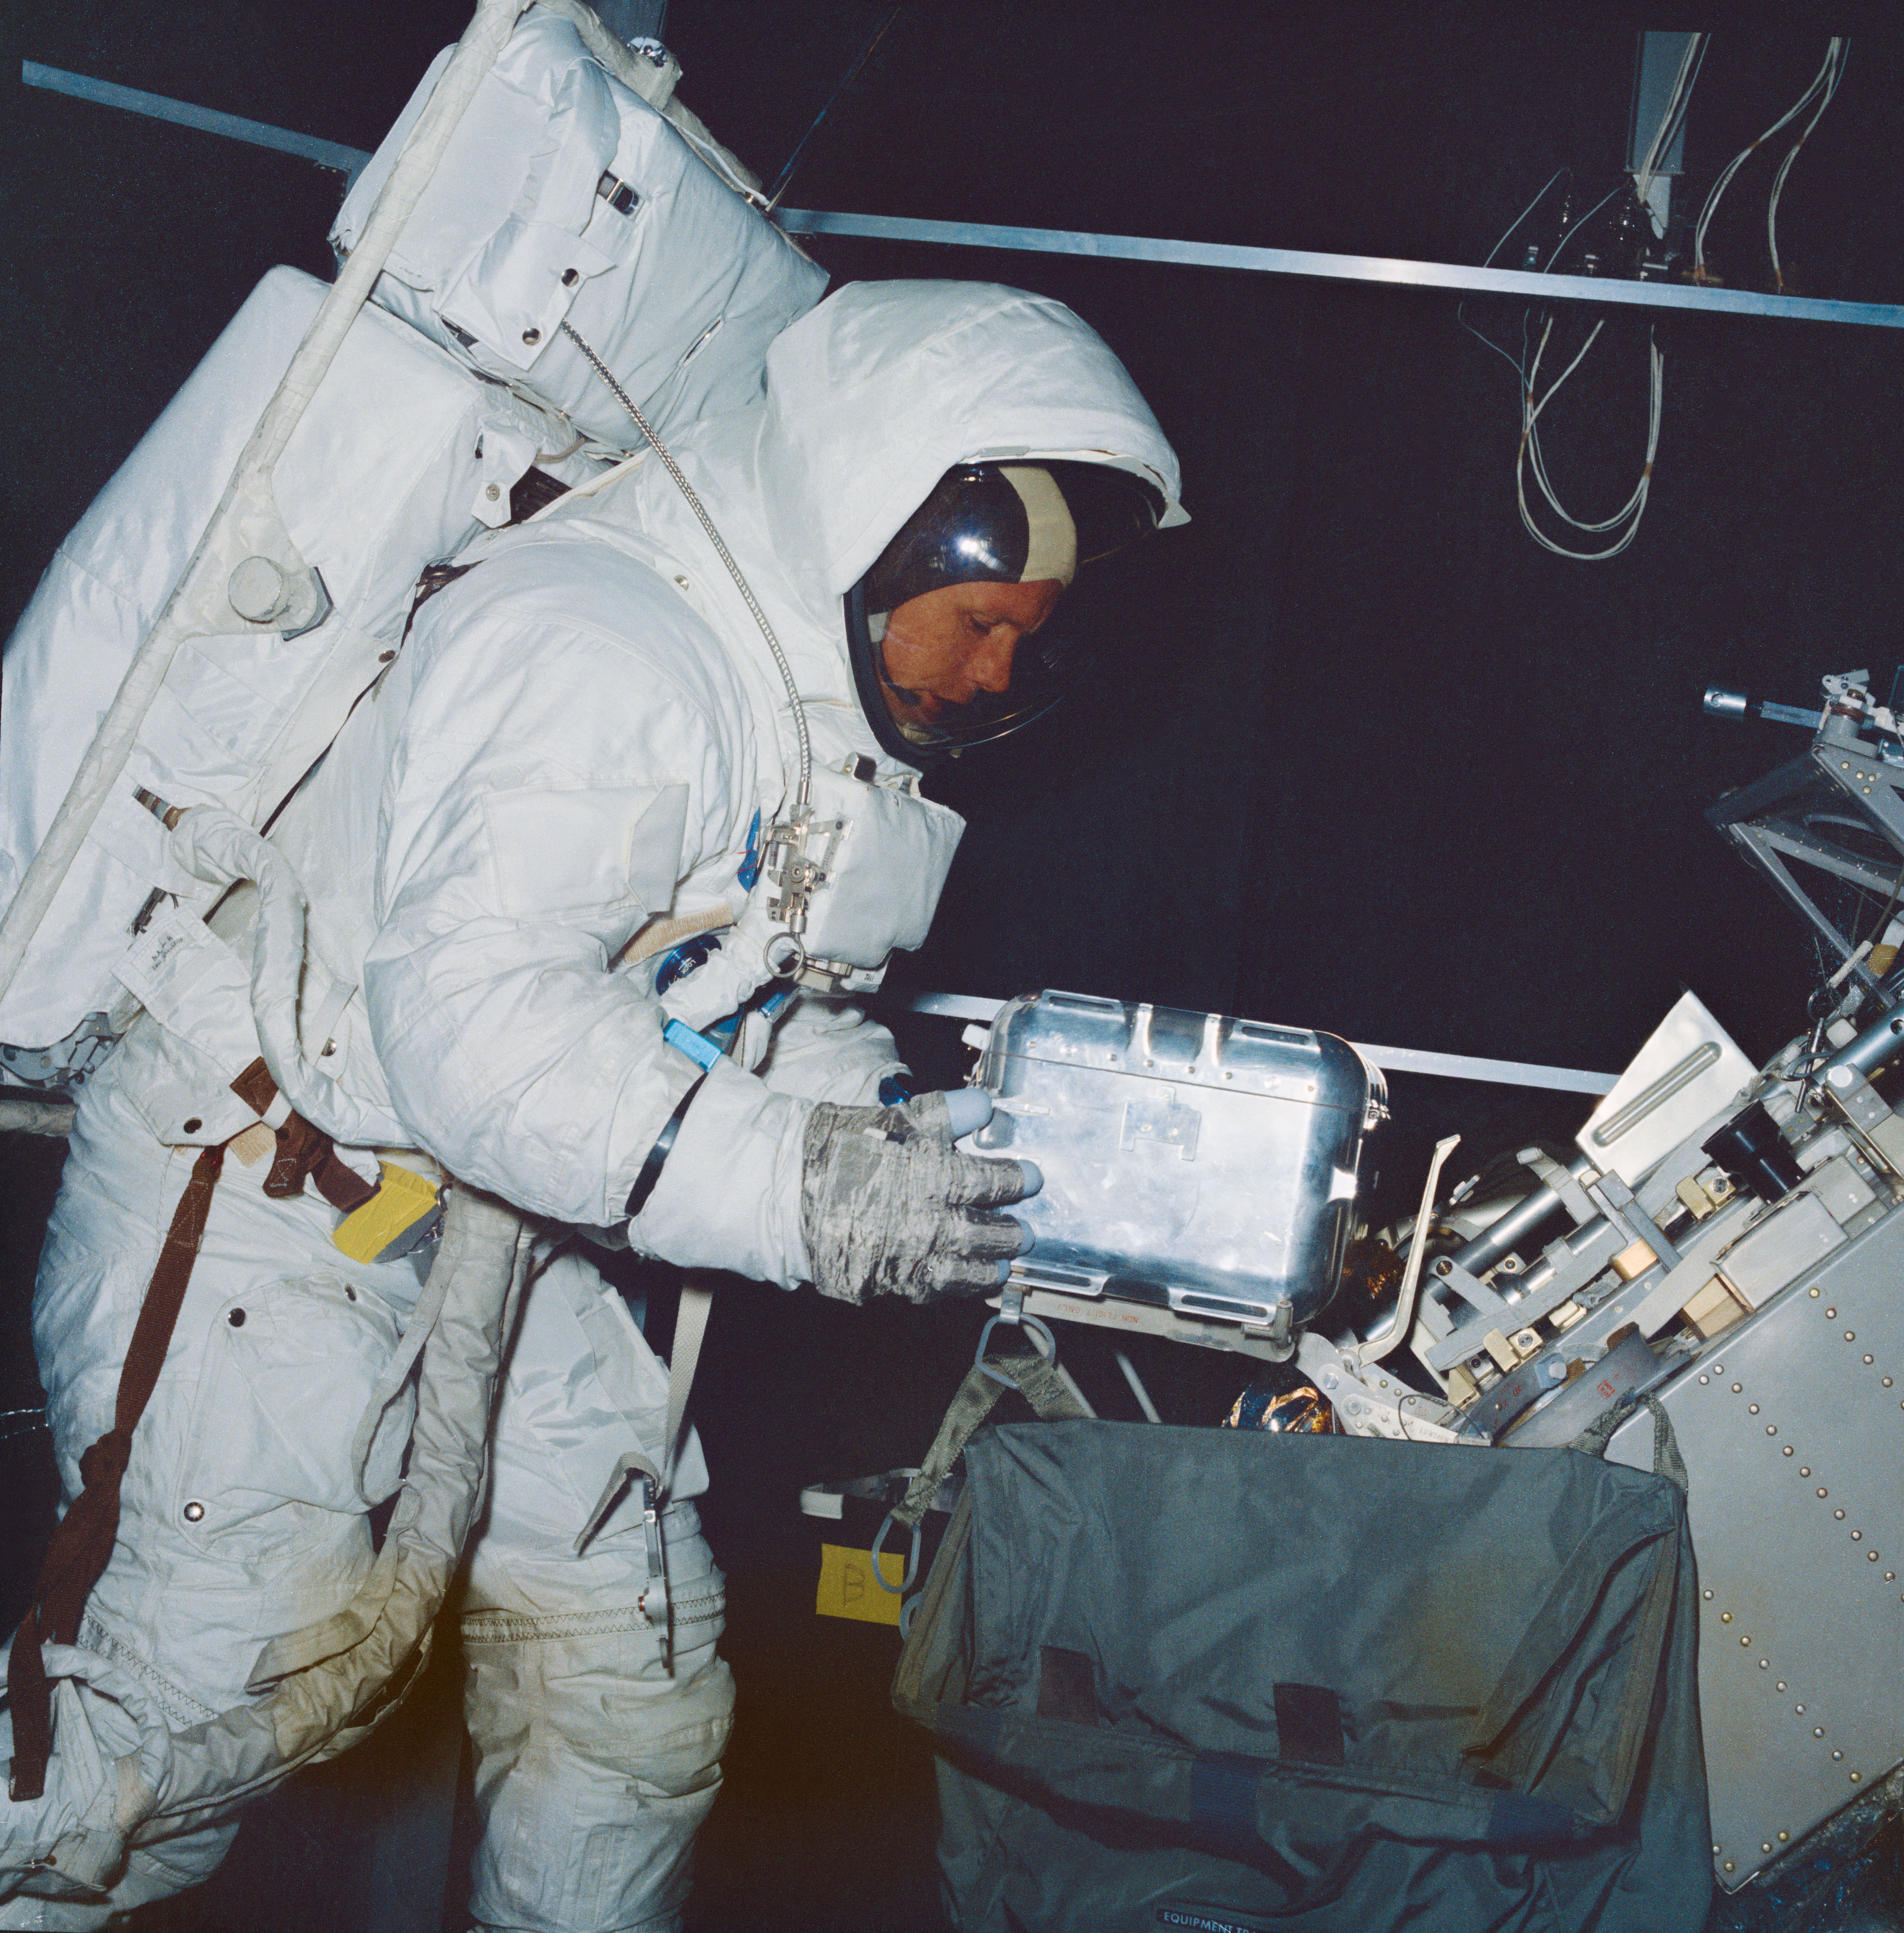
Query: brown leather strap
{"points": [[304, 1153], [82, 1543], [256, 1088]]}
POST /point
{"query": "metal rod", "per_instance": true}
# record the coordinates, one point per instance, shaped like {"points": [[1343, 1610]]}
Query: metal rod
{"points": [[1882, 1042], [1137, 1388], [832, 100], [1390, 1059], [1391, 271], [234, 127], [1509, 1231]]}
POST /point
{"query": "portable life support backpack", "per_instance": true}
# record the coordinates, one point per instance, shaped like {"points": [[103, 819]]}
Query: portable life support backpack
{"points": [[571, 187]]}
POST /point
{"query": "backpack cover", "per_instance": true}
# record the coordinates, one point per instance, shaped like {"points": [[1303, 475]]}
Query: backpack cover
{"points": [[562, 192]]}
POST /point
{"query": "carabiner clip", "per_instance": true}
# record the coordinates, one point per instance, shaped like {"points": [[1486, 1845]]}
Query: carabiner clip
{"points": [[911, 1573], [654, 1601], [1011, 1314]]}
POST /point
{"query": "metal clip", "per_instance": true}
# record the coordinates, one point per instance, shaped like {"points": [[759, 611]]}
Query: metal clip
{"points": [[910, 1576], [654, 1601], [1011, 1315], [655, 1606]]}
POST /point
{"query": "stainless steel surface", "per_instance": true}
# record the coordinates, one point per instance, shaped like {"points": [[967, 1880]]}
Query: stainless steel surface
{"points": [[1792, 1427], [1880, 1042], [1512, 1228], [1388, 270], [1391, 1060], [1688, 1068], [1158, 1319], [1207, 1163]]}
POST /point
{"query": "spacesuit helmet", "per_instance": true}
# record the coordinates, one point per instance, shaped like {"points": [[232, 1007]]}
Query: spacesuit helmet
{"points": [[963, 630]]}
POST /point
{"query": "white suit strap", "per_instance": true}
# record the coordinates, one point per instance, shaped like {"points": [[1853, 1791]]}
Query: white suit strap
{"points": [[598, 1319], [690, 1330]]}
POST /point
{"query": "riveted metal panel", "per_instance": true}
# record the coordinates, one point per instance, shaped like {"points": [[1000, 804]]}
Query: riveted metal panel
{"points": [[1792, 1427]]}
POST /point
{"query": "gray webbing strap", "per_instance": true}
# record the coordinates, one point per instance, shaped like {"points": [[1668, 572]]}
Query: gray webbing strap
{"points": [[1041, 1384], [1667, 1461], [691, 1331]]}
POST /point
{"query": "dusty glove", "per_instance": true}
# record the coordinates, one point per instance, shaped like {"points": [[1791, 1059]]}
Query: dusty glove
{"points": [[888, 1206]]}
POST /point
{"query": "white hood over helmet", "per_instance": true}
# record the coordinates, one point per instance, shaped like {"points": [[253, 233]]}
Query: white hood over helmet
{"points": [[874, 394], [870, 398]]}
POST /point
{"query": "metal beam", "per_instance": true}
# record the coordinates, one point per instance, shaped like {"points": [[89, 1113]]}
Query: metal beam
{"points": [[1387, 270], [234, 127], [1394, 1059], [1390, 271]]}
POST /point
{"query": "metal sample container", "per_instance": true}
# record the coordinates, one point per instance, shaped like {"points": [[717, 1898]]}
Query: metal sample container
{"points": [[1191, 1159]]}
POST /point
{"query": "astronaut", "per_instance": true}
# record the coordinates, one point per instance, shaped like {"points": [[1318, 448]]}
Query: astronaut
{"points": [[581, 748]]}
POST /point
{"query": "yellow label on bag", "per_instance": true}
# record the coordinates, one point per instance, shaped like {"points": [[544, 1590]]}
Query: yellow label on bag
{"points": [[847, 1589], [402, 1200]]}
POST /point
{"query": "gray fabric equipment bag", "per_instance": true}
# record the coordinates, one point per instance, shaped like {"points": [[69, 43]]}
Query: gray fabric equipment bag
{"points": [[1230, 1682]]}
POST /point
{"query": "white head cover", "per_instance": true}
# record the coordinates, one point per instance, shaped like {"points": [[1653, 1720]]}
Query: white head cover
{"points": [[874, 394], [870, 398]]}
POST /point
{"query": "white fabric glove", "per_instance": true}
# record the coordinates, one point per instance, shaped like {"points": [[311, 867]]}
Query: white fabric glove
{"points": [[888, 1206]]}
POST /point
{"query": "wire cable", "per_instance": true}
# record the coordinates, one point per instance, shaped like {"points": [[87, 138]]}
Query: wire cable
{"points": [[1461, 307], [846, 79], [1631, 511], [1528, 453], [1784, 167], [1579, 227], [726, 556], [1825, 80]]}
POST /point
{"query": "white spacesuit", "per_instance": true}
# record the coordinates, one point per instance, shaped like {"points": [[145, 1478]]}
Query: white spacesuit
{"points": [[580, 741]]}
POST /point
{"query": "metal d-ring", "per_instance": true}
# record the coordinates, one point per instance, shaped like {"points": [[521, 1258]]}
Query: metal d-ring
{"points": [[791, 966], [1011, 1313], [906, 1582]]}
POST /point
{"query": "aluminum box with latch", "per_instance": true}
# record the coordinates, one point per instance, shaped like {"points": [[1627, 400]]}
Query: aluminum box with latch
{"points": [[1190, 1160]]}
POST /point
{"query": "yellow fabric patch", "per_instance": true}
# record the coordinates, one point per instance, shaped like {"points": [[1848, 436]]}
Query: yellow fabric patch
{"points": [[847, 1589], [402, 1201]]}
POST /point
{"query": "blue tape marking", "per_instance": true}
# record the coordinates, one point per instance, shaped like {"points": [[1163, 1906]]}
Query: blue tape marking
{"points": [[749, 871], [1517, 1817], [683, 961], [896, 1089], [1223, 1795], [697, 1047]]}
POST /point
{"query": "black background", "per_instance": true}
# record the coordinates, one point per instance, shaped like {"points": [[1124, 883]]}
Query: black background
{"points": [[1359, 755]]}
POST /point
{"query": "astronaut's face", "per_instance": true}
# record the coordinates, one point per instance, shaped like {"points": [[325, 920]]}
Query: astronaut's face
{"points": [[946, 648]]}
